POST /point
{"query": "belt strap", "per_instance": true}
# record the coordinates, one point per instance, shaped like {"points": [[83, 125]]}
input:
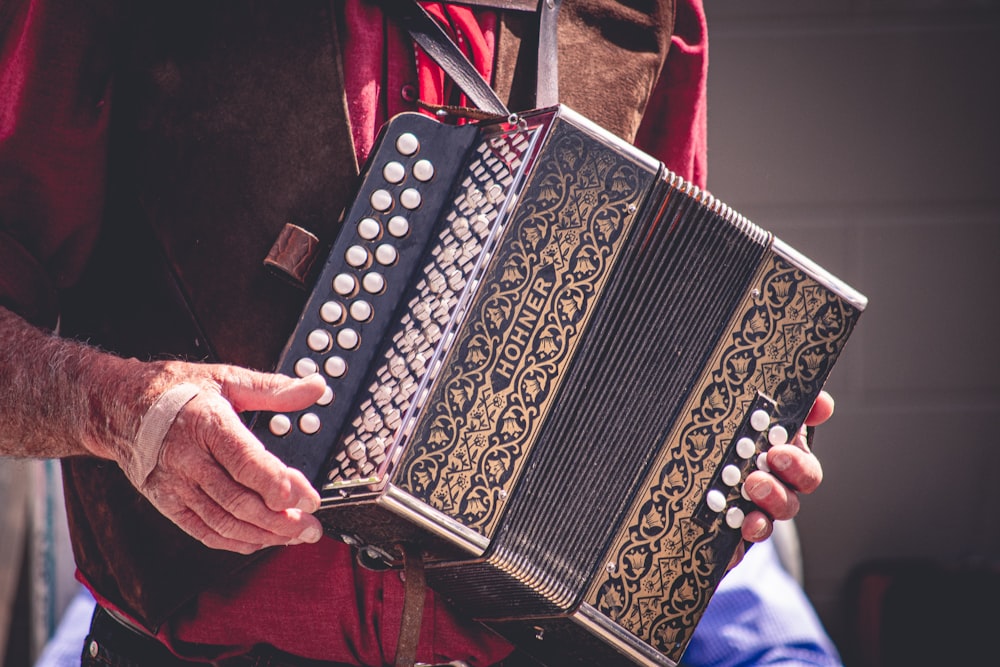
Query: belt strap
{"points": [[414, 594]]}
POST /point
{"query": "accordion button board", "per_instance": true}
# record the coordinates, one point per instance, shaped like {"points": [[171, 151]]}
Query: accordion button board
{"points": [[525, 322]]}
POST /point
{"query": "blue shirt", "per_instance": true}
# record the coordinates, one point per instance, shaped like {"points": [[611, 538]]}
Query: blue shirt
{"points": [[760, 615]]}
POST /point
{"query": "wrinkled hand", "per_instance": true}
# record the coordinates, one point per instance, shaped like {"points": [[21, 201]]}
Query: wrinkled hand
{"points": [[217, 482], [794, 470]]}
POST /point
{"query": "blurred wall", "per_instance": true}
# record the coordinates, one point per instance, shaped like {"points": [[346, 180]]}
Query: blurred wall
{"points": [[865, 133]]}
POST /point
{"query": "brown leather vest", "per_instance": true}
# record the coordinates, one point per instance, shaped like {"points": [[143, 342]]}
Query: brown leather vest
{"points": [[230, 121]]}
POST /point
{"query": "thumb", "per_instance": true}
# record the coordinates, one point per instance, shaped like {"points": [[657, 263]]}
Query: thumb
{"points": [[252, 390]]}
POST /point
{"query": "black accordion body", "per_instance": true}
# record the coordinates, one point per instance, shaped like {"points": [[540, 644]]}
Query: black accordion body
{"points": [[552, 362]]}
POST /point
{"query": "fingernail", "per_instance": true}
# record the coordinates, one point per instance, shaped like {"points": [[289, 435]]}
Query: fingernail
{"points": [[306, 504], [310, 535], [759, 490], [779, 461], [760, 533]]}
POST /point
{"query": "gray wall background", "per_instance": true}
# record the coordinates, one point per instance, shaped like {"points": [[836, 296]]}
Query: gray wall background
{"points": [[865, 133]]}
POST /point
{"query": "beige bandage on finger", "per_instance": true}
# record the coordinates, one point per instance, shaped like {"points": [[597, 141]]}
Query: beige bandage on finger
{"points": [[153, 429]]}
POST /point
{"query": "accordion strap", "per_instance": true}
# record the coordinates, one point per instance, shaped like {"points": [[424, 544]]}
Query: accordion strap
{"points": [[414, 594], [426, 32]]}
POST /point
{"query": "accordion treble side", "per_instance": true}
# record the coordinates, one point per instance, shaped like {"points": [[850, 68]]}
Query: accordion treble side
{"points": [[552, 363]]}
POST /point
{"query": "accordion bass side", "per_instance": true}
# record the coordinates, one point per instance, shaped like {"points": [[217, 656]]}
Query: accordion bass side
{"points": [[552, 362]]}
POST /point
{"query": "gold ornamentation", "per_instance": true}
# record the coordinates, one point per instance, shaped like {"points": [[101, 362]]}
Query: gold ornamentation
{"points": [[666, 566], [506, 364]]}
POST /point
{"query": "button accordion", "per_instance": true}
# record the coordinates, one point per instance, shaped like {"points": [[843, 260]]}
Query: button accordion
{"points": [[551, 363]]}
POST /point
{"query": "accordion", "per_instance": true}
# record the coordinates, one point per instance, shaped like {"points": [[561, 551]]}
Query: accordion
{"points": [[551, 363]]}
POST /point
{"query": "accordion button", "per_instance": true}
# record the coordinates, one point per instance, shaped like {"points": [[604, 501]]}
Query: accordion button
{"points": [[361, 311], [335, 367], [734, 517], [305, 366], [280, 425], [762, 462], [731, 475], [348, 339], [373, 283], [309, 423], [393, 172], [410, 198], [386, 254], [381, 200], [318, 340], [423, 170], [716, 500], [399, 226], [778, 435], [407, 143], [345, 284], [369, 229], [356, 256], [331, 312], [326, 398], [745, 448], [759, 420]]}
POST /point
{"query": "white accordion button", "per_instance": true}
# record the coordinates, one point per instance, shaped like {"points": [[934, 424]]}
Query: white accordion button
{"points": [[331, 312], [407, 143], [386, 254], [345, 284], [361, 311], [335, 367], [731, 475], [745, 448], [280, 425], [393, 172], [778, 435], [318, 340], [381, 200], [423, 170], [399, 226], [734, 517], [305, 367], [759, 420], [369, 229], [373, 283], [326, 398], [410, 198], [348, 339], [356, 256], [762, 462], [716, 500], [309, 423]]}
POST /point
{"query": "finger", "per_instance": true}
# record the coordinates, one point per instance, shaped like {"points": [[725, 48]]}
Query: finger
{"points": [[741, 550], [250, 390], [239, 513], [201, 484], [254, 468], [821, 410], [202, 518], [771, 496], [210, 420], [756, 527], [796, 467]]}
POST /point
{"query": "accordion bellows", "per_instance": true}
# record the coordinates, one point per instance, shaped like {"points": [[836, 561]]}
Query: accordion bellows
{"points": [[552, 362]]}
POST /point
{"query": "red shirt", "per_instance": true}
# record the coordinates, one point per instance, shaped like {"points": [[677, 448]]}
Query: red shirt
{"points": [[311, 600]]}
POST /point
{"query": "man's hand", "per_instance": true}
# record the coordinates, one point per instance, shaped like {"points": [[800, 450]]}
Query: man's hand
{"points": [[216, 481], [208, 473], [794, 470]]}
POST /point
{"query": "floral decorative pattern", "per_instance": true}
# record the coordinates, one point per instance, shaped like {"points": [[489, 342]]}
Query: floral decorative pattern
{"points": [[664, 566], [504, 368]]}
